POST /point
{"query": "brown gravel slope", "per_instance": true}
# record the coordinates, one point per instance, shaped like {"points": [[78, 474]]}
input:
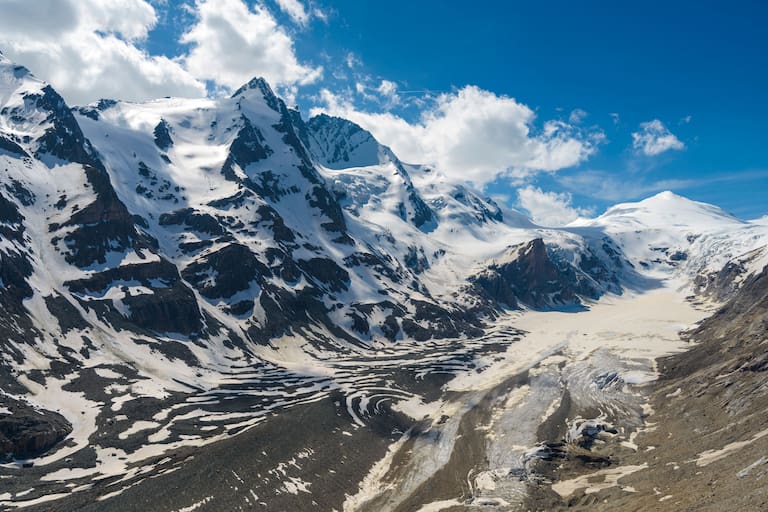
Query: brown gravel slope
{"points": [[707, 447]]}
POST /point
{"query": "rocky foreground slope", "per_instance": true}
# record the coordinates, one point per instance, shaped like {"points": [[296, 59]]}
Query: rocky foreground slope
{"points": [[707, 446], [703, 440]]}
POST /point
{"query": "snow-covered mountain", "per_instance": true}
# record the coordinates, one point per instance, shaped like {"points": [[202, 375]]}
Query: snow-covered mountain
{"points": [[153, 254], [700, 244]]}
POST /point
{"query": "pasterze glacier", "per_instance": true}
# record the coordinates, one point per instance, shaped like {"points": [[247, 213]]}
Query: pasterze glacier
{"points": [[224, 303]]}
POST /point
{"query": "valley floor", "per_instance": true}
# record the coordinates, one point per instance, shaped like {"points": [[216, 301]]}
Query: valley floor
{"points": [[495, 442], [556, 417]]}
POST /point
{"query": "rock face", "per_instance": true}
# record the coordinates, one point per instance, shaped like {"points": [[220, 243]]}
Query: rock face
{"points": [[527, 275], [26, 432], [341, 144]]}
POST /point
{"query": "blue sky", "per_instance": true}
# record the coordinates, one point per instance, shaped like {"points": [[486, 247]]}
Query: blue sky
{"points": [[558, 107]]}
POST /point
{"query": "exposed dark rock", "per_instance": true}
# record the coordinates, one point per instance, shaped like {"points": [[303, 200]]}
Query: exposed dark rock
{"points": [[334, 140], [153, 186], [359, 322], [285, 310], [321, 199], [248, 147], [90, 113], [66, 314], [201, 222], [241, 308], [722, 284], [281, 232], [28, 432], [383, 265], [102, 227], [9, 214], [733, 335], [15, 268], [144, 273], [346, 137], [301, 128], [190, 247], [709, 400], [22, 194], [416, 260], [171, 307], [531, 277], [172, 350], [105, 104], [482, 212], [326, 271], [162, 133], [9, 146], [594, 267], [422, 213], [63, 139], [226, 271], [282, 264], [235, 201]]}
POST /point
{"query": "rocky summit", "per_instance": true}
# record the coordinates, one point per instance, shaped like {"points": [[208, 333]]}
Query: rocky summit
{"points": [[218, 304]]}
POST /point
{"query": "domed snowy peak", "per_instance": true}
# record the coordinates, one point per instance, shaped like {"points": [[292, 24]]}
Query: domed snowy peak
{"points": [[337, 143], [667, 210], [669, 233]]}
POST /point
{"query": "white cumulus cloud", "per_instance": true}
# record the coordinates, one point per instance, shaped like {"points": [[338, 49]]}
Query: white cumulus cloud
{"points": [[654, 138], [232, 43], [550, 208], [90, 49], [473, 135]]}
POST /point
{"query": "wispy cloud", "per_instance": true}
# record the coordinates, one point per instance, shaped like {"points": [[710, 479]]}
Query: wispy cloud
{"points": [[577, 116], [352, 60], [611, 186], [295, 9]]}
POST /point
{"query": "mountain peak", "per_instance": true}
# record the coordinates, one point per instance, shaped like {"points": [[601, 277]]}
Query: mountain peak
{"points": [[14, 77], [668, 195], [341, 144], [668, 200], [256, 82], [261, 85], [668, 209]]}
